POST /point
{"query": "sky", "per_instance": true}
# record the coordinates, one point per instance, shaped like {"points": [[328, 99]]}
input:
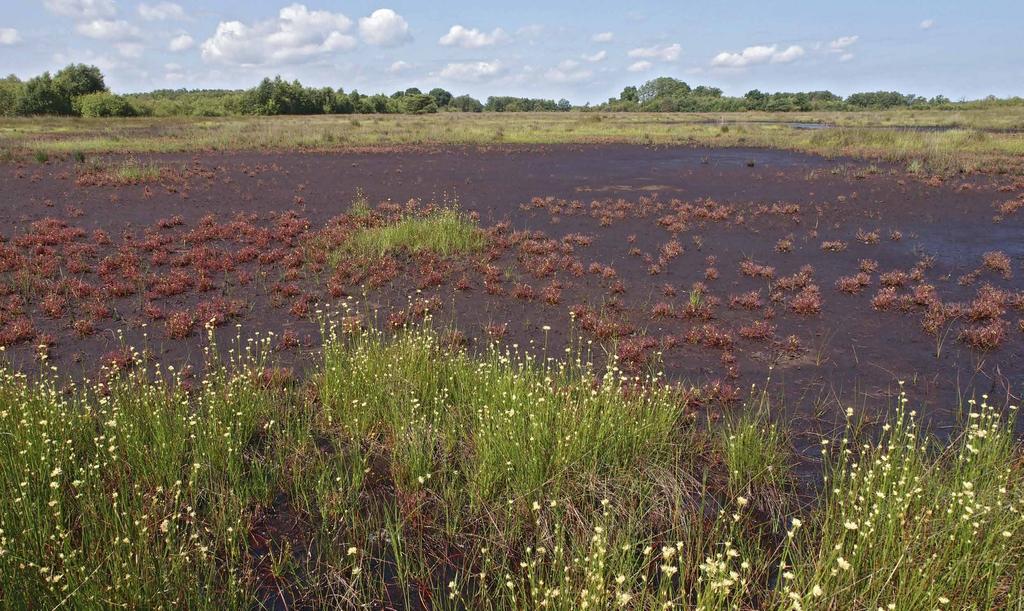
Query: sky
{"points": [[582, 51]]}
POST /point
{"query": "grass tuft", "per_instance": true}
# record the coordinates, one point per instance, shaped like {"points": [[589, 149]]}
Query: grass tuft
{"points": [[446, 232]]}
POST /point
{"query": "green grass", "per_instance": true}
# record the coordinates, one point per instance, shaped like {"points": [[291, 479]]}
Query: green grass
{"points": [[497, 480], [127, 172], [446, 232], [135, 171], [977, 144]]}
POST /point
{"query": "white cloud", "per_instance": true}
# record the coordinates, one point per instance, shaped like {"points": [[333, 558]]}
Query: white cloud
{"points": [[568, 71], [298, 33], [399, 66], [384, 27], [791, 53], [530, 31], [472, 71], [162, 11], [9, 36], [596, 57], [842, 43], [665, 53], [603, 37], [641, 66], [81, 9], [927, 24], [131, 50], [108, 29], [173, 72], [472, 38], [842, 46], [181, 42], [758, 54]]}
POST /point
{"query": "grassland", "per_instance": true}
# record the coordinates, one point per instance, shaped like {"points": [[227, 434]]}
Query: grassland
{"points": [[407, 472], [970, 140]]}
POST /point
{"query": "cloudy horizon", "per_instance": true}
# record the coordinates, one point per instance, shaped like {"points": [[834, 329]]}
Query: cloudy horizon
{"points": [[585, 52]]}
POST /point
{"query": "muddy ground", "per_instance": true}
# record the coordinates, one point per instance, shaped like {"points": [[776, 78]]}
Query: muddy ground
{"points": [[604, 242]]}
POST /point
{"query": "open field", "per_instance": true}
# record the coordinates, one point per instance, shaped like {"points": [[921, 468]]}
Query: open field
{"points": [[990, 139], [561, 360]]}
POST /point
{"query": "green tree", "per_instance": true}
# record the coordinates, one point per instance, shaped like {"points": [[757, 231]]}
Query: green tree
{"points": [[419, 104], [441, 97], [465, 103], [79, 79], [660, 88], [11, 92], [43, 97]]}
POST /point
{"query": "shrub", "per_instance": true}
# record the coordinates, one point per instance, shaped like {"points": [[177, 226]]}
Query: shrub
{"points": [[103, 104]]}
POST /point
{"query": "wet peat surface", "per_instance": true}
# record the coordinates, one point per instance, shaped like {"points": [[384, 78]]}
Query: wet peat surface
{"points": [[829, 281]]}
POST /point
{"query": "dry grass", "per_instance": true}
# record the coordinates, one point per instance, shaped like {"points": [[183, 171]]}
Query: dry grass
{"points": [[970, 140]]}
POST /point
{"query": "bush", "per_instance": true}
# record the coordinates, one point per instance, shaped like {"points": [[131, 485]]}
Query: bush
{"points": [[103, 104], [419, 104], [11, 92]]}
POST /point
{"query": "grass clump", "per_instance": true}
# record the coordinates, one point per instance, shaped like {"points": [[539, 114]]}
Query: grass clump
{"points": [[533, 427], [132, 171], [902, 525], [446, 232], [756, 456]]}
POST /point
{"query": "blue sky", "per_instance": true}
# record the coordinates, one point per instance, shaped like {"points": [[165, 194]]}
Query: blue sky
{"points": [[584, 51]]}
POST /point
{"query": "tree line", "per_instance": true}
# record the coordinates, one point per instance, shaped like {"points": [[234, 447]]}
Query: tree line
{"points": [[80, 90], [666, 94]]}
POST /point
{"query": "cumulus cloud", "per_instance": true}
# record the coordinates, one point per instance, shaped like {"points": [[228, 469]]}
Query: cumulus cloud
{"points": [[842, 43], [927, 24], [108, 29], [665, 53], [298, 33], [758, 54], [162, 11], [842, 46], [472, 38], [384, 27], [131, 50], [399, 66], [641, 66], [173, 72], [81, 9], [603, 37], [9, 36], [596, 57], [791, 53], [472, 71], [568, 71], [181, 42]]}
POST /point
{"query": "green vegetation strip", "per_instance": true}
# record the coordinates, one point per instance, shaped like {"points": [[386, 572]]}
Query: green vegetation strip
{"points": [[446, 232], [405, 469]]}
